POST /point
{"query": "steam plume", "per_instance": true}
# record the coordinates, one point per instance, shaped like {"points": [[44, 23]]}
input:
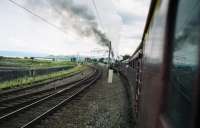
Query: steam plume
{"points": [[75, 16]]}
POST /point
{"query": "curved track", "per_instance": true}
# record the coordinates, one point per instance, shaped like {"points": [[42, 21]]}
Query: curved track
{"points": [[17, 99], [32, 113]]}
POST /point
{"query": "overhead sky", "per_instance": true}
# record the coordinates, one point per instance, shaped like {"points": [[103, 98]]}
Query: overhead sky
{"points": [[74, 26]]}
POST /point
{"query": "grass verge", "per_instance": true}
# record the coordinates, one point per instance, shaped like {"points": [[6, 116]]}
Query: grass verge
{"points": [[28, 81], [33, 64]]}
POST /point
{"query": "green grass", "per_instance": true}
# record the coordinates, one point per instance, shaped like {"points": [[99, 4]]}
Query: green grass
{"points": [[28, 81], [29, 63]]}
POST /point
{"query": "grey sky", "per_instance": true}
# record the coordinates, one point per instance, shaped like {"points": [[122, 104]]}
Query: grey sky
{"points": [[122, 20]]}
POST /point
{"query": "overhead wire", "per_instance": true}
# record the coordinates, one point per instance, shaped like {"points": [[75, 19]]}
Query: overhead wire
{"points": [[98, 14], [51, 24], [101, 23], [38, 16]]}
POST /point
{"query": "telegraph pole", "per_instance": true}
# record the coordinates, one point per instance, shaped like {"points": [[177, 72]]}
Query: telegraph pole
{"points": [[109, 53], [110, 71]]}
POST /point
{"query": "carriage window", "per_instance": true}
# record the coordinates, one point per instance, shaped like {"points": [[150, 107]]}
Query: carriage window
{"points": [[184, 63]]}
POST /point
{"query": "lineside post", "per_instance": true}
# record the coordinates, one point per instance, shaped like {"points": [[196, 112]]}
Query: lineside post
{"points": [[110, 71]]}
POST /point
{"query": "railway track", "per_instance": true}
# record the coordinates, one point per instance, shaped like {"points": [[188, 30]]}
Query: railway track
{"points": [[32, 113], [19, 100]]}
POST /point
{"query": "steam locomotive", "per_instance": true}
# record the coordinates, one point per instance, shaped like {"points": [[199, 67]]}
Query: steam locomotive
{"points": [[163, 72]]}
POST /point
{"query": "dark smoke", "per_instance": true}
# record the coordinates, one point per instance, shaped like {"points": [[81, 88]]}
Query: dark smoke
{"points": [[77, 16], [101, 37]]}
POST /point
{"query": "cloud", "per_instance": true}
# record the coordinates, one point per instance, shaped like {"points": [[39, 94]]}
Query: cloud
{"points": [[136, 7], [129, 18], [79, 17], [133, 14], [127, 46]]}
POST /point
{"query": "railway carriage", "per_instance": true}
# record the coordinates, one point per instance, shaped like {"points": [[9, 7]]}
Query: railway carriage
{"points": [[166, 66]]}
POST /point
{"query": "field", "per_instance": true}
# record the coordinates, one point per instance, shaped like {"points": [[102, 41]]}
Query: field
{"points": [[16, 72], [31, 63], [28, 81]]}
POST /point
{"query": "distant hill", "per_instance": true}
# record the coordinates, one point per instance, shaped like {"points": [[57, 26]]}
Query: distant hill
{"points": [[42, 56], [21, 54]]}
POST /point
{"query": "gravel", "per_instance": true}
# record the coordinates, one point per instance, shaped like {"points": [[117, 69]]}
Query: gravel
{"points": [[102, 106]]}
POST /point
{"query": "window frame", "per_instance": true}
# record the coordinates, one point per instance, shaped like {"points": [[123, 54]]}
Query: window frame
{"points": [[167, 62]]}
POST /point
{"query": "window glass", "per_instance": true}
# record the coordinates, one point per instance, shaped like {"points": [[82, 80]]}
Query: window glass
{"points": [[184, 63]]}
